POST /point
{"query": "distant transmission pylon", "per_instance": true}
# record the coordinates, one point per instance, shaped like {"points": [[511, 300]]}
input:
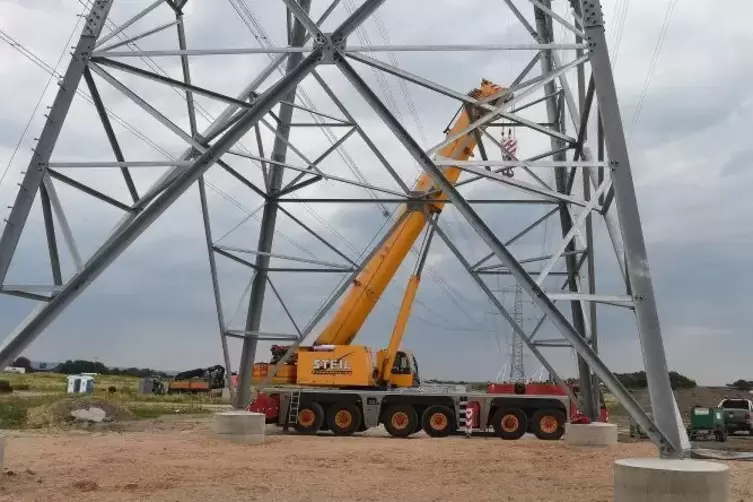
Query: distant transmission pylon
{"points": [[517, 369], [509, 146]]}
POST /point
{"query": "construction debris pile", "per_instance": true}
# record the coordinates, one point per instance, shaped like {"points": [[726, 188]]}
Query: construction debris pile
{"points": [[77, 411]]}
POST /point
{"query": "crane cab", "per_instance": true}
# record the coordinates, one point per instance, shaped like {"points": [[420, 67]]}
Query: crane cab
{"points": [[404, 369], [343, 366]]}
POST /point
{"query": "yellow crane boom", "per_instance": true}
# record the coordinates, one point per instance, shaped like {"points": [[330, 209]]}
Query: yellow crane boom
{"points": [[332, 360], [368, 287]]}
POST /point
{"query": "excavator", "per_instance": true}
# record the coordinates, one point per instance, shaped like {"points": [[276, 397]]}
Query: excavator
{"points": [[332, 360]]}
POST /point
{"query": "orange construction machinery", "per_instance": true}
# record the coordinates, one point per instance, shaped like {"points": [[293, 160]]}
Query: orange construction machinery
{"points": [[335, 385], [332, 360]]}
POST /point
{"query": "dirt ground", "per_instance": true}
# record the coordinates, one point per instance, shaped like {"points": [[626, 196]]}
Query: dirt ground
{"points": [[179, 460]]}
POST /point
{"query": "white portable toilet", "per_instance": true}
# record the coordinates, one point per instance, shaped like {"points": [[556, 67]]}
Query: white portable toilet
{"points": [[80, 384]]}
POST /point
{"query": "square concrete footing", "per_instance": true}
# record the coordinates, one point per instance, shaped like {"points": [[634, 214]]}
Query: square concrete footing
{"points": [[668, 480], [593, 434], [240, 426]]}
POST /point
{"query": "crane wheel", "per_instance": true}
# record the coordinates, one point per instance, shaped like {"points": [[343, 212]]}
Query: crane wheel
{"points": [[438, 421], [400, 420], [548, 424], [343, 419], [510, 423], [310, 418]]}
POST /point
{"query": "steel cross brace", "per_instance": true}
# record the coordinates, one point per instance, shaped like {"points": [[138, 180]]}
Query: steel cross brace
{"points": [[543, 27], [36, 170], [28, 330], [539, 297], [663, 404], [268, 223], [162, 195], [325, 51]]}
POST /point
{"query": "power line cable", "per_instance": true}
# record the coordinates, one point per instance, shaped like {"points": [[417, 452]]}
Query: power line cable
{"points": [[141, 136], [8, 39], [263, 39], [652, 68]]}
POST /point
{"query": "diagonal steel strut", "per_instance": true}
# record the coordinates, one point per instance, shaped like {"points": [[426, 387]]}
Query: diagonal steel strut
{"points": [[503, 254], [269, 215], [35, 172], [28, 330]]}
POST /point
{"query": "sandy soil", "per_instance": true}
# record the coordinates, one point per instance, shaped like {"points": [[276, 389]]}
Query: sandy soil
{"points": [[179, 460]]}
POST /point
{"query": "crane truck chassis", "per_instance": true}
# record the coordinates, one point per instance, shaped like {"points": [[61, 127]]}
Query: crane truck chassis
{"points": [[407, 411]]}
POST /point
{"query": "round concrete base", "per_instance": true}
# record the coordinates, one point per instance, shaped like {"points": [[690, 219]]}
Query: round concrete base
{"points": [[593, 434], [240, 426], [666, 480]]}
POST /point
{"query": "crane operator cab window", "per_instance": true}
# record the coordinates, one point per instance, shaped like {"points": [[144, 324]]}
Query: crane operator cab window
{"points": [[416, 379], [405, 364], [402, 364]]}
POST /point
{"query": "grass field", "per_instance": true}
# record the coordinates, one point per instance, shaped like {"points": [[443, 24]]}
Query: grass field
{"points": [[56, 382], [126, 388], [40, 389]]}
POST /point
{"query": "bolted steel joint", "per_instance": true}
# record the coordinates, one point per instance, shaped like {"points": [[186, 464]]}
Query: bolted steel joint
{"points": [[96, 18], [330, 47], [591, 43], [416, 201], [592, 13]]}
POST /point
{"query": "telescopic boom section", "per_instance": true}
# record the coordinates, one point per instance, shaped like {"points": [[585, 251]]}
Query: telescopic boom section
{"points": [[377, 273]]}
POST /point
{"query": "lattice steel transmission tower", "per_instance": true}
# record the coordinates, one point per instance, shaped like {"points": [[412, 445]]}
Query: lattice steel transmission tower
{"points": [[517, 368], [282, 131]]}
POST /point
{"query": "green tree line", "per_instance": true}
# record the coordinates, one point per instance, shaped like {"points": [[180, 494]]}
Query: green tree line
{"points": [[633, 381], [741, 384], [81, 366], [637, 380]]}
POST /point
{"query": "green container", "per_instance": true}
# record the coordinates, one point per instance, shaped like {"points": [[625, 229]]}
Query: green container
{"points": [[703, 418]]}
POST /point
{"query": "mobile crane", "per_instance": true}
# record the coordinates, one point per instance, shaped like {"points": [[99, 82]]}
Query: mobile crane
{"points": [[345, 388]]}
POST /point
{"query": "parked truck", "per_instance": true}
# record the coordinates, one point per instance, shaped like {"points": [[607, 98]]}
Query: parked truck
{"points": [[196, 381], [345, 388], [738, 414]]}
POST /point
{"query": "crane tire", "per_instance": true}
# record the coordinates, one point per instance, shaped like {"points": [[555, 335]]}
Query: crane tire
{"points": [[310, 418], [400, 420], [548, 424], [509, 423], [343, 419], [438, 421]]}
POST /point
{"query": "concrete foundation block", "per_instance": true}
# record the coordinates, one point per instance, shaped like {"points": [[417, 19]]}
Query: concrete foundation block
{"points": [[593, 434], [240, 426], [667, 480], [227, 396]]}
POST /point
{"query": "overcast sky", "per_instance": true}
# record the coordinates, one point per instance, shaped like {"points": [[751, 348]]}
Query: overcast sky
{"points": [[690, 149]]}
